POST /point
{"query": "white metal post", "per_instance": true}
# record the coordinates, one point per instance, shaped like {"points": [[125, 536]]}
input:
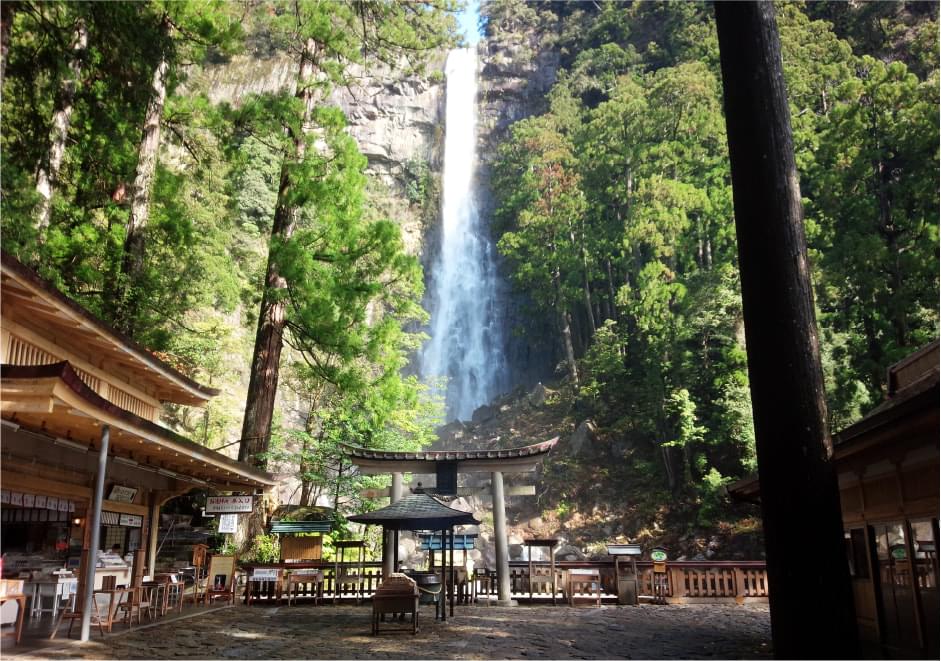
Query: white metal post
{"points": [[95, 524]]}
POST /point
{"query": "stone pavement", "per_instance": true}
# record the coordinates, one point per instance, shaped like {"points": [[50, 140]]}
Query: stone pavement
{"points": [[700, 631]]}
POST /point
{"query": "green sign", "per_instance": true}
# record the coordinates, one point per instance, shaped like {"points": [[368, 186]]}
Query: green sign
{"points": [[898, 552], [658, 555]]}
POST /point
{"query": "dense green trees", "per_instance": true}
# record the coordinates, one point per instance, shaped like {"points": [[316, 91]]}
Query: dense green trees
{"points": [[166, 207], [620, 193], [186, 224]]}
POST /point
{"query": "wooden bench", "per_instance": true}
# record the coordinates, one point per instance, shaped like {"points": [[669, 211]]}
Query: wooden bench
{"points": [[398, 594]]}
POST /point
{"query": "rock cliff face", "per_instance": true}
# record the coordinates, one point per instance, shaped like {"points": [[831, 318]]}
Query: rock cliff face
{"points": [[397, 122]]}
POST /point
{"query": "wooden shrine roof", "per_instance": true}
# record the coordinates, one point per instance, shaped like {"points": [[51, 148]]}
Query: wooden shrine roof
{"points": [[33, 302], [54, 401]]}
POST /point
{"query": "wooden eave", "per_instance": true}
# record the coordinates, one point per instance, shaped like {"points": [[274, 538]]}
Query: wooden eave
{"points": [[909, 417], [33, 302], [895, 427], [53, 400]]}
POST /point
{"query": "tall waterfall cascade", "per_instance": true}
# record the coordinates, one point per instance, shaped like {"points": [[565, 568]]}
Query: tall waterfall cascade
{"points": [[466, 331]]}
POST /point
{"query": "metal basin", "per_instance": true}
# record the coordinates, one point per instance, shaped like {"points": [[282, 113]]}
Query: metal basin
{"points": [[429, 585]]}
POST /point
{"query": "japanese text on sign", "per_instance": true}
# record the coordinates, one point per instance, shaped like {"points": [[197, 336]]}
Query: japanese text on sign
{"points": [[228, 504]]}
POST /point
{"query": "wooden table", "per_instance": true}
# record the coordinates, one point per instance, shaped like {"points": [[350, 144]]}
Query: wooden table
{"points": [[578, 579], [542, 580], [305, 577], [21, 611], [272, 579]]}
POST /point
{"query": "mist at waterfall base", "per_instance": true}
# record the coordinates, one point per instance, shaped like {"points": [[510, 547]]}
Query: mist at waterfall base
{"points": [[466, 331]]}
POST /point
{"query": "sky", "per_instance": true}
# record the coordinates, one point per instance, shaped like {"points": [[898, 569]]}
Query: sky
{"points": [[467, 21]]}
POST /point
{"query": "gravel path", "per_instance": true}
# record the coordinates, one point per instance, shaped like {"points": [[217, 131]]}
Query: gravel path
{"points": [[701, 631]]}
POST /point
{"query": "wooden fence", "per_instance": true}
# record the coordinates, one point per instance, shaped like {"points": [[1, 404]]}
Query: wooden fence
{"points": [[686, 580]]}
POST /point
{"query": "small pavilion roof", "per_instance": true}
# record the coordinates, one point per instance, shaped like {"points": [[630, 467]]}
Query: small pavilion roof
{"points": [[418, 511], [384, 461]]}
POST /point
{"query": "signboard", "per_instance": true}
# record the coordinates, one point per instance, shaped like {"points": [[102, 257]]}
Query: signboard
{"points": [[658, 555], [228, 504], [228, 522], [131, 520], [122, 494], [265, 574]]}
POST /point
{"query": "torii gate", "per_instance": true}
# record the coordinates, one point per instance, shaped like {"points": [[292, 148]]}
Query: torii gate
{"points": [[446, 465]]}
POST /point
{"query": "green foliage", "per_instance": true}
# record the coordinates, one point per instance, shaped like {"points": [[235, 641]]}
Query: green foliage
{"points": [[419, 181], [712, 498], [616, 204], [264, 548], [227, 547]]}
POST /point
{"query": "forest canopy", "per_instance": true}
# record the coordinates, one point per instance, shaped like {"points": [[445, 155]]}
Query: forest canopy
{"points": [[183, 222]]}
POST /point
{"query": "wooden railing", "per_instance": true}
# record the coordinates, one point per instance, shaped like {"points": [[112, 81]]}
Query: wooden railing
{"points": [[687, 580]]}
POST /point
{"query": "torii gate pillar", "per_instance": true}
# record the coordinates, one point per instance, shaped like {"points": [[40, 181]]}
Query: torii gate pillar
{"points": [[500, 540]]}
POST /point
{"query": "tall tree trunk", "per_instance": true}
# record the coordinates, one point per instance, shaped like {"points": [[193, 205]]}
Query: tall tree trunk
{"points": [[611, 292], [586, 288], [125, 299], [269, 338], [7, 12], [799, 493], [889, 232], [47, 174], [565, 326]]}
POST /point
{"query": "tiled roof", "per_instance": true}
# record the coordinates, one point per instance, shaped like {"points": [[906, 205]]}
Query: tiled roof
{"points": [[416, 512], [449, 455], [131, 422]]}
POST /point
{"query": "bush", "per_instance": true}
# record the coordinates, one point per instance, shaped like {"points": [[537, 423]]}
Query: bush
{"points": [[265, 548]]}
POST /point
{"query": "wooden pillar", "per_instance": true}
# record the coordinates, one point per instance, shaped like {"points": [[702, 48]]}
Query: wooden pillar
{"points": [[812, 613], [443, 593], [500, 543], [388, 553], [529, 555], [95, 524], [390, 550], [452, 572], [552, 570]]}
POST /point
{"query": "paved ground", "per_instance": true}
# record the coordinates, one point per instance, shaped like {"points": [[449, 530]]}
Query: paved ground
{"points": [[702, 631]]}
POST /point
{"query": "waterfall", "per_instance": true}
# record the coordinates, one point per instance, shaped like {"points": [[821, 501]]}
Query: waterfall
{"points": [[466, 342]]}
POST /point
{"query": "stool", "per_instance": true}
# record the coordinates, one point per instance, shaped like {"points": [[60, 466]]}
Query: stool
{"points": [[484, 580]]}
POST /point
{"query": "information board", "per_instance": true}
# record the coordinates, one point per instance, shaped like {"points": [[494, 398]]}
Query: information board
{"points": [[228, 522]]}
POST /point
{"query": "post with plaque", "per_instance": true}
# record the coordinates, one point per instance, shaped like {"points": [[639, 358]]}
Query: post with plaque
{"points": [[659, 557], [626, 577]]}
